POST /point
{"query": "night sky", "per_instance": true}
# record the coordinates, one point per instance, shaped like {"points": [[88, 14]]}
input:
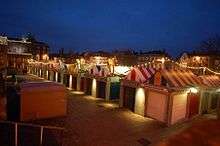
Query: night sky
{"points": [[79, 24]]}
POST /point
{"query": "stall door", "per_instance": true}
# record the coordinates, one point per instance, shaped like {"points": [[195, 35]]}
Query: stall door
{"points": [[54, 76], [74, 82], [214, 101], [48, 77], [67, 80], [205, 103], [129, 98], [82, 84], [101, 86], [59, 77], [179, 107], [156, 106], [193, 104], [88, 86], [115, 90]]}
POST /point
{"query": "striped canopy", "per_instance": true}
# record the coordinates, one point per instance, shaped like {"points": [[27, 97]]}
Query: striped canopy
{"points": [[99, 71], [180, 78], [210, 80], [140, 74]]}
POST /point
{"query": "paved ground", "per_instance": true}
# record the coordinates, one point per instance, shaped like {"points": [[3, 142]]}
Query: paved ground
{"points": [[200, 133], [93, 122]]}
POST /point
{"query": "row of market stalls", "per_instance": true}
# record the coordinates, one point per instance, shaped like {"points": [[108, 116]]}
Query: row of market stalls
{"points": [[169, 96], [67, 74], [95, 80]]}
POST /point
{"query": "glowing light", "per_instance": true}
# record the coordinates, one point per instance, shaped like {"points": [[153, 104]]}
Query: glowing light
{"points": [[218, 90], [193, 90], [121, 70], [70, 82], [140, 101], [56, 76], [109, 105], [47, 74], [40, 72], [77, 92], [197, 58], [162, 60], [94, 87], [45, 57]]}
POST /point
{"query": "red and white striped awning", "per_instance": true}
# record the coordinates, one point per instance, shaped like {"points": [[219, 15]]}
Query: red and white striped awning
{"points": [[99, 71], [140, 74], [210, 80], [180, 78]]}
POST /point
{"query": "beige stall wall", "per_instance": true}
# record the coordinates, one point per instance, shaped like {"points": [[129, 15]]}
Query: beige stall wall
{"points": [[139, 101], [179, 107]]}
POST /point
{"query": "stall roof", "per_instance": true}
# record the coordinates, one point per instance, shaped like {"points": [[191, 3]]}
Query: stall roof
{"points": [[181, 78], [210, 80], [140, 74]]}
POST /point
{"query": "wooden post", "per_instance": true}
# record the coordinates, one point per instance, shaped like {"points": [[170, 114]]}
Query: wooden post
{"points": [[41, 135], [16, 134], [107, 89], [121, 95]]}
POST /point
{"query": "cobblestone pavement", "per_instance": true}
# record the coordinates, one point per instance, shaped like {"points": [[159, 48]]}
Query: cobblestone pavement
{"points": [[93, 122]]}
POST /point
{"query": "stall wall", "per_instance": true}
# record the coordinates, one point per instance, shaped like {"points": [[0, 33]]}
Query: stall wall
{"points": [[156, 106], [209, 101], [114, 90], [42, 100], [179, 107], [139, 101], [94, 87], [82, 84]]}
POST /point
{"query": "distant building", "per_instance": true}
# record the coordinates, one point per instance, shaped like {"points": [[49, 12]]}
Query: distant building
{"points": [[156, 59], [126, 58], [3, 52], [200, 59], [15, 52]]}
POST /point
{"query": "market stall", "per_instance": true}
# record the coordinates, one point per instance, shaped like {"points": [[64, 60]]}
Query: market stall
{"points": [[210, 94], [100, 83], [169, 96], [36, 100]]}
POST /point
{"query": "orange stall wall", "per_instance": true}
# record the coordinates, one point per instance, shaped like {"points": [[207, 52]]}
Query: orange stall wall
{"points": [[42, 100]]}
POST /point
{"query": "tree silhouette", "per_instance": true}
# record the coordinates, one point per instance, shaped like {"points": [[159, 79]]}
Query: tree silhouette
{"points": [[211, 45]]}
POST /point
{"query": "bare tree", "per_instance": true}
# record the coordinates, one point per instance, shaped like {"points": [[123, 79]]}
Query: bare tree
{"points": [[211, 45]]}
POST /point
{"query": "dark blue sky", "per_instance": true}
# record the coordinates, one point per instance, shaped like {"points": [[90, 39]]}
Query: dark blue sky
{"points": [[79, 24]]}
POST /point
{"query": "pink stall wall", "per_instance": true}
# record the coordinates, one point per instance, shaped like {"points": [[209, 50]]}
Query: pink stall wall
{"points": [[157, 106]]}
